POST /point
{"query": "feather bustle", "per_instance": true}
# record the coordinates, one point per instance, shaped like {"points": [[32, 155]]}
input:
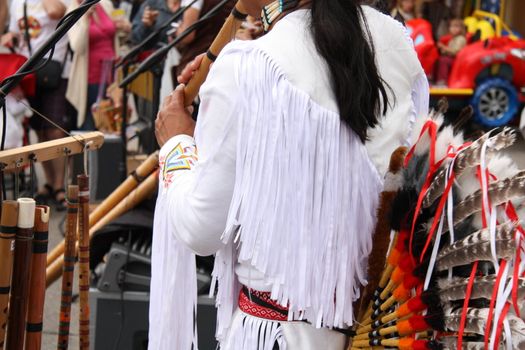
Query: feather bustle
{"points": [[469, 158], [499, 193], [476, 246]]}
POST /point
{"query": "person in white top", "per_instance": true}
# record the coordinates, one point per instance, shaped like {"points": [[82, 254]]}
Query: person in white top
{"points": [[31, 24], [280, 177]]}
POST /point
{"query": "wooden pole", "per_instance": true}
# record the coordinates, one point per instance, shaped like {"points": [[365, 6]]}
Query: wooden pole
{"points": [[83, 259], [132, 200], [21, 274], [69, 268], [224, 36], [17, 157], [37, 286], [113, 199], [145, 189], [7, 240]]}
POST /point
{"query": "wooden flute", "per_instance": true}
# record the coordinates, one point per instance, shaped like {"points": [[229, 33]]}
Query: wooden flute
{"points": [[133, 180], [21, 273], [230, 26], [7, 239], [145, 189], [68, 268], [83, 259], [37, 285]]}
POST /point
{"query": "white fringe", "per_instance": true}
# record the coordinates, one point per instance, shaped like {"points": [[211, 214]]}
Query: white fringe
{"points": [[304, 203], [252, 333], [173, 290]]}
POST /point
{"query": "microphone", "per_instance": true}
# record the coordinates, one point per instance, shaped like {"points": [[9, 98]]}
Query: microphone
{"points": [[144, 43], [158, 55]]}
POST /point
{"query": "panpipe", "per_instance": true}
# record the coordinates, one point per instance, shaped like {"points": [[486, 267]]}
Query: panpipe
{"points": [[130, 185], [7, 239], [37, 286], [83, 259], [229, 28], [69, 267], [19, 298]]}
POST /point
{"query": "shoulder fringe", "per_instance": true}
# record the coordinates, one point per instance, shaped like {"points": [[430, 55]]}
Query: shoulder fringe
{"points": [[305, 199]]}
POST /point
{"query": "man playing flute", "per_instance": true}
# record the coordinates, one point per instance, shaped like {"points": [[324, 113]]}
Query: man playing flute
{"points": [[280, 176]]}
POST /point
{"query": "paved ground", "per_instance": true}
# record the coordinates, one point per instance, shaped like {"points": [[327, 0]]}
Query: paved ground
{"points": [[52, 304]]}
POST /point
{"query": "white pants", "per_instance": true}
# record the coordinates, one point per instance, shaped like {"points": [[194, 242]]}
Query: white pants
{"points": [[252, 333]]}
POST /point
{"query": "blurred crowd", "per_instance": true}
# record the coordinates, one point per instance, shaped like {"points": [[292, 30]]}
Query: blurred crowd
{"points": [[76, 88]]}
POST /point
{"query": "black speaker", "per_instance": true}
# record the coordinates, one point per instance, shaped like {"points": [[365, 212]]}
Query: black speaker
{"points": [[130, 332], [105, 167]]}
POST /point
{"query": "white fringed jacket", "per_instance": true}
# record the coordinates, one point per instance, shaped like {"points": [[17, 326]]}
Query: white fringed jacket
{"points": [[280, 190]]}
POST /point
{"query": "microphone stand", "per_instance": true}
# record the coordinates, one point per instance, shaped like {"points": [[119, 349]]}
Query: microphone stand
{"points": [[132, 54], [153, 61], [125, 62], [158, 55]]}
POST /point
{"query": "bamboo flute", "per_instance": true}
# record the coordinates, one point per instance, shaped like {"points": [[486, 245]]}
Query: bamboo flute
{"points": [[133, 180], [69, 268], [230, 26], [132, 200], [21, 274], [7, 239], [145, 189], [37, 285], [83, 259]]}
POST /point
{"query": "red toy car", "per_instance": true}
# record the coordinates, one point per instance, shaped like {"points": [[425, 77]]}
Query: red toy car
{"points": [[491, 72]]}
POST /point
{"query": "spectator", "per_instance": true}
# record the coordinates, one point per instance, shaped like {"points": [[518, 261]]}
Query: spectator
{"points": [[153, 13], [41, 17], [3, 15], [449, 51], [189, 17], [438, 14], [93, 55], [203, 36], [406, 9], [251, 29]]}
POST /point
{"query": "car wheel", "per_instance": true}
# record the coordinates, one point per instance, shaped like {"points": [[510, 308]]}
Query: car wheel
{"points": [[495, 102]]}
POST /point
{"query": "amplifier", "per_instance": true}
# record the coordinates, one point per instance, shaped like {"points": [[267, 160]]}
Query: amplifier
{"points": [[105, 167], [130, 332]]}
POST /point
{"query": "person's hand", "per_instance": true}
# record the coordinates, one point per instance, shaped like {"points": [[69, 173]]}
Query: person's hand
{"points": [[173, 117], [149, 17], [243, 34], [9, 40], [122, 24], [190, 69], [256, 30]]}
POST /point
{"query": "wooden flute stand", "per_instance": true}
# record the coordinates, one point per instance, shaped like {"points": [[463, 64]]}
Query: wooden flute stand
{"points": [[24, 228], [41, 152]]}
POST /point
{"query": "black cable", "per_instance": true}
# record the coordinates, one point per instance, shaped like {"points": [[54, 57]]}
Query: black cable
{"points": [[2, 145], [52, 51], [122, 286], [144, 43], [82, 8], [4, 124], [158, 55], [32, 178]]}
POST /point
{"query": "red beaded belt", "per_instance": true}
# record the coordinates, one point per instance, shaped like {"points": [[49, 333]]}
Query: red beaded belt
{"points": [[259, 304]]}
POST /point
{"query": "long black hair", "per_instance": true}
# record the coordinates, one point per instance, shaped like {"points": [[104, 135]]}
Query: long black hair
{"points": [[342, 38]]}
